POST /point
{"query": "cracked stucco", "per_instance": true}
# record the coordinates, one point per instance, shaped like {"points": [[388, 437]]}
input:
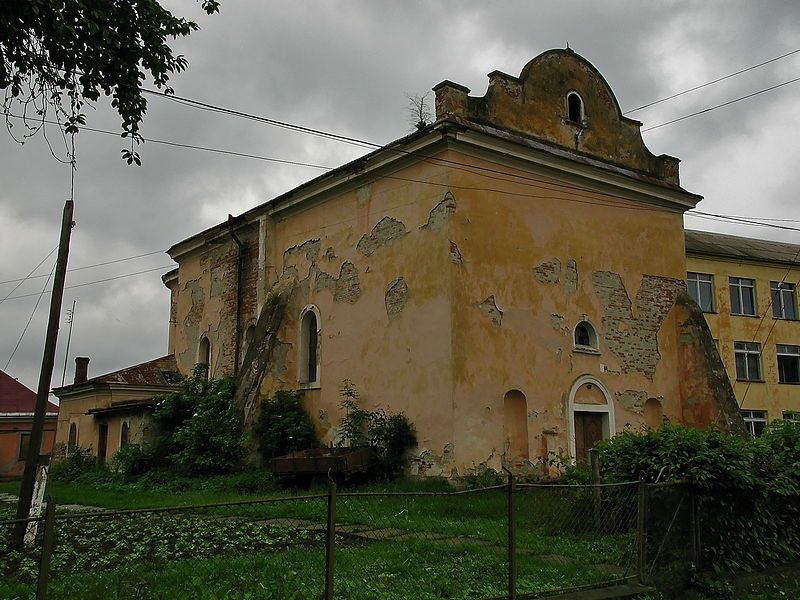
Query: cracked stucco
{"points": [[345, 288], [548, 271], [385, 232], [489, 308], [440, 214], [396, 298], [633, 337]]}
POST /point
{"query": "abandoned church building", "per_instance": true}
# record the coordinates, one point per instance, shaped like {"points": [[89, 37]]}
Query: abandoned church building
{"points": [[511, 277]]}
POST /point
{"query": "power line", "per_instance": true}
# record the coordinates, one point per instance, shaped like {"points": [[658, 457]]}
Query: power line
{"points": [[71, 287], [775, 321], [713, 81], [102, 264], [474, 169], [33, 312], [738, 220], [180, 145], [709, 109], [28, 276]]}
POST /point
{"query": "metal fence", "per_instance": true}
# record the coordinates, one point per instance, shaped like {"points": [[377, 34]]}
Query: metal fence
{"points": [[668, 529], [507, 541]]}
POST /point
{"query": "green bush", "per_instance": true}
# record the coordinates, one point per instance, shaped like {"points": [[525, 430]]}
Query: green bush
{"points": [[74, 463], [133, 460], [284, 426], [748, 491], [198, 429], [391, 436]]}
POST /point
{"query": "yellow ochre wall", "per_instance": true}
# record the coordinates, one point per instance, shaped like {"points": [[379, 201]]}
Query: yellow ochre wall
{"points": [[769, 395]]}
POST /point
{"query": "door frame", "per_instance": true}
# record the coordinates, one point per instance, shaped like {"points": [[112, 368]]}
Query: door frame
{"points": [[102, 443], [607, 409]]}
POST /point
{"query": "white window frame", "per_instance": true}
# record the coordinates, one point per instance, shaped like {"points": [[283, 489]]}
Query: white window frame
{"points": [[790, 351], [778, 291], [582, 120], [302, 346], [694, 280], [594, 345], [793, 416], [738, 284], [751, 417], [749, 349]]}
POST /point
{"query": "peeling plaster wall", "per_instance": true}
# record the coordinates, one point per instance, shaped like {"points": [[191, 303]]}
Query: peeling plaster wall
{"points": [[376, 264], [535, 259], [205, 301]]}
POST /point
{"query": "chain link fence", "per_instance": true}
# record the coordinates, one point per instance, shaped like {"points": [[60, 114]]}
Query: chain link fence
{"points": [[494, 542], [669, 546]]}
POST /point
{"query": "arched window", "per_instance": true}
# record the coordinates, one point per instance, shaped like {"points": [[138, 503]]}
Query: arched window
{"points": [[574, 108], [308, 360], [124, 434], [204, 354], [585, 336], [72, 441]]}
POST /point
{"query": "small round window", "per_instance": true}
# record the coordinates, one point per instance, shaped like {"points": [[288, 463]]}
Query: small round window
{"points": [[585, 336]]}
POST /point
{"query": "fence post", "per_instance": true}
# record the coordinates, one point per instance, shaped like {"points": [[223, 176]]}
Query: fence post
{"points": [[48, 542], [330, 540], [694, 529], [641, 532], [512, 541], [594, 460]]}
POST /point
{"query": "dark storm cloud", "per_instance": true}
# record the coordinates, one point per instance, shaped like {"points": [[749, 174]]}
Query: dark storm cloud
{"points": [[346, 67]]}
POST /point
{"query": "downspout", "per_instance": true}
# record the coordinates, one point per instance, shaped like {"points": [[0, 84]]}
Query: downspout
{"points": [[239, 277]]}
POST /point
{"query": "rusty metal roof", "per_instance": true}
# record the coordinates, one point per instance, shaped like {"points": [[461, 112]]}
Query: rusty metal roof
{"points": [[733, 246], [161, 372]]}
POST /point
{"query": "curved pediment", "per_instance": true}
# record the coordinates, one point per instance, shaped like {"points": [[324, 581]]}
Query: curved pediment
{"points": [[561, 98]]}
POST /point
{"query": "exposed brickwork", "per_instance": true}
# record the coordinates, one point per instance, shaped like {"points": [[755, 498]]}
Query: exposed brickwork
{"points": [[633, 400], [440, 214], [385, 232], [345, 288], [571, 277], [548, 271], [489, 308], [396, 298], [298, 259], [634, 338], [455, 254]]}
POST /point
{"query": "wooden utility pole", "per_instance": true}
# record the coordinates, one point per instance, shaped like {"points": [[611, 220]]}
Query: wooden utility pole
{"points": [[45, 375]]}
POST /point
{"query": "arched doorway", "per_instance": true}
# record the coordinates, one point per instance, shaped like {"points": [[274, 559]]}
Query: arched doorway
{"points": [[515, 427], [591, 416]]}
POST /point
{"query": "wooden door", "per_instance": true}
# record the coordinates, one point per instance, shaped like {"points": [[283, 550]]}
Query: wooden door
{"points": [[588, 431], [102, 443]]}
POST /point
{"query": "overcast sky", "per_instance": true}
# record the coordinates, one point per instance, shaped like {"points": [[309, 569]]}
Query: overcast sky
{"points": [[347, 67]]}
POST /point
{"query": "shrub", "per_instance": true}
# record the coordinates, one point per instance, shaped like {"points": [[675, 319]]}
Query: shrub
{"points": [[199, 430], [133, 460], [748, 490], [75, 463], [391, 436], [284, 426]]}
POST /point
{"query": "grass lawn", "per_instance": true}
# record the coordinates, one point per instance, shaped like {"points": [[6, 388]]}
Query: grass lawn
{"points": [[397, 547], [128, 497]]}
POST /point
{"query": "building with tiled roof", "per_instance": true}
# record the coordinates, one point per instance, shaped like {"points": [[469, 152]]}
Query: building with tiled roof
{"points": [[17, 405], [107, 412], [747, 289]]}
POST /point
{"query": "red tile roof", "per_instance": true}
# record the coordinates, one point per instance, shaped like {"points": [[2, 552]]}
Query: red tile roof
{"points": [[16, 398]]}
